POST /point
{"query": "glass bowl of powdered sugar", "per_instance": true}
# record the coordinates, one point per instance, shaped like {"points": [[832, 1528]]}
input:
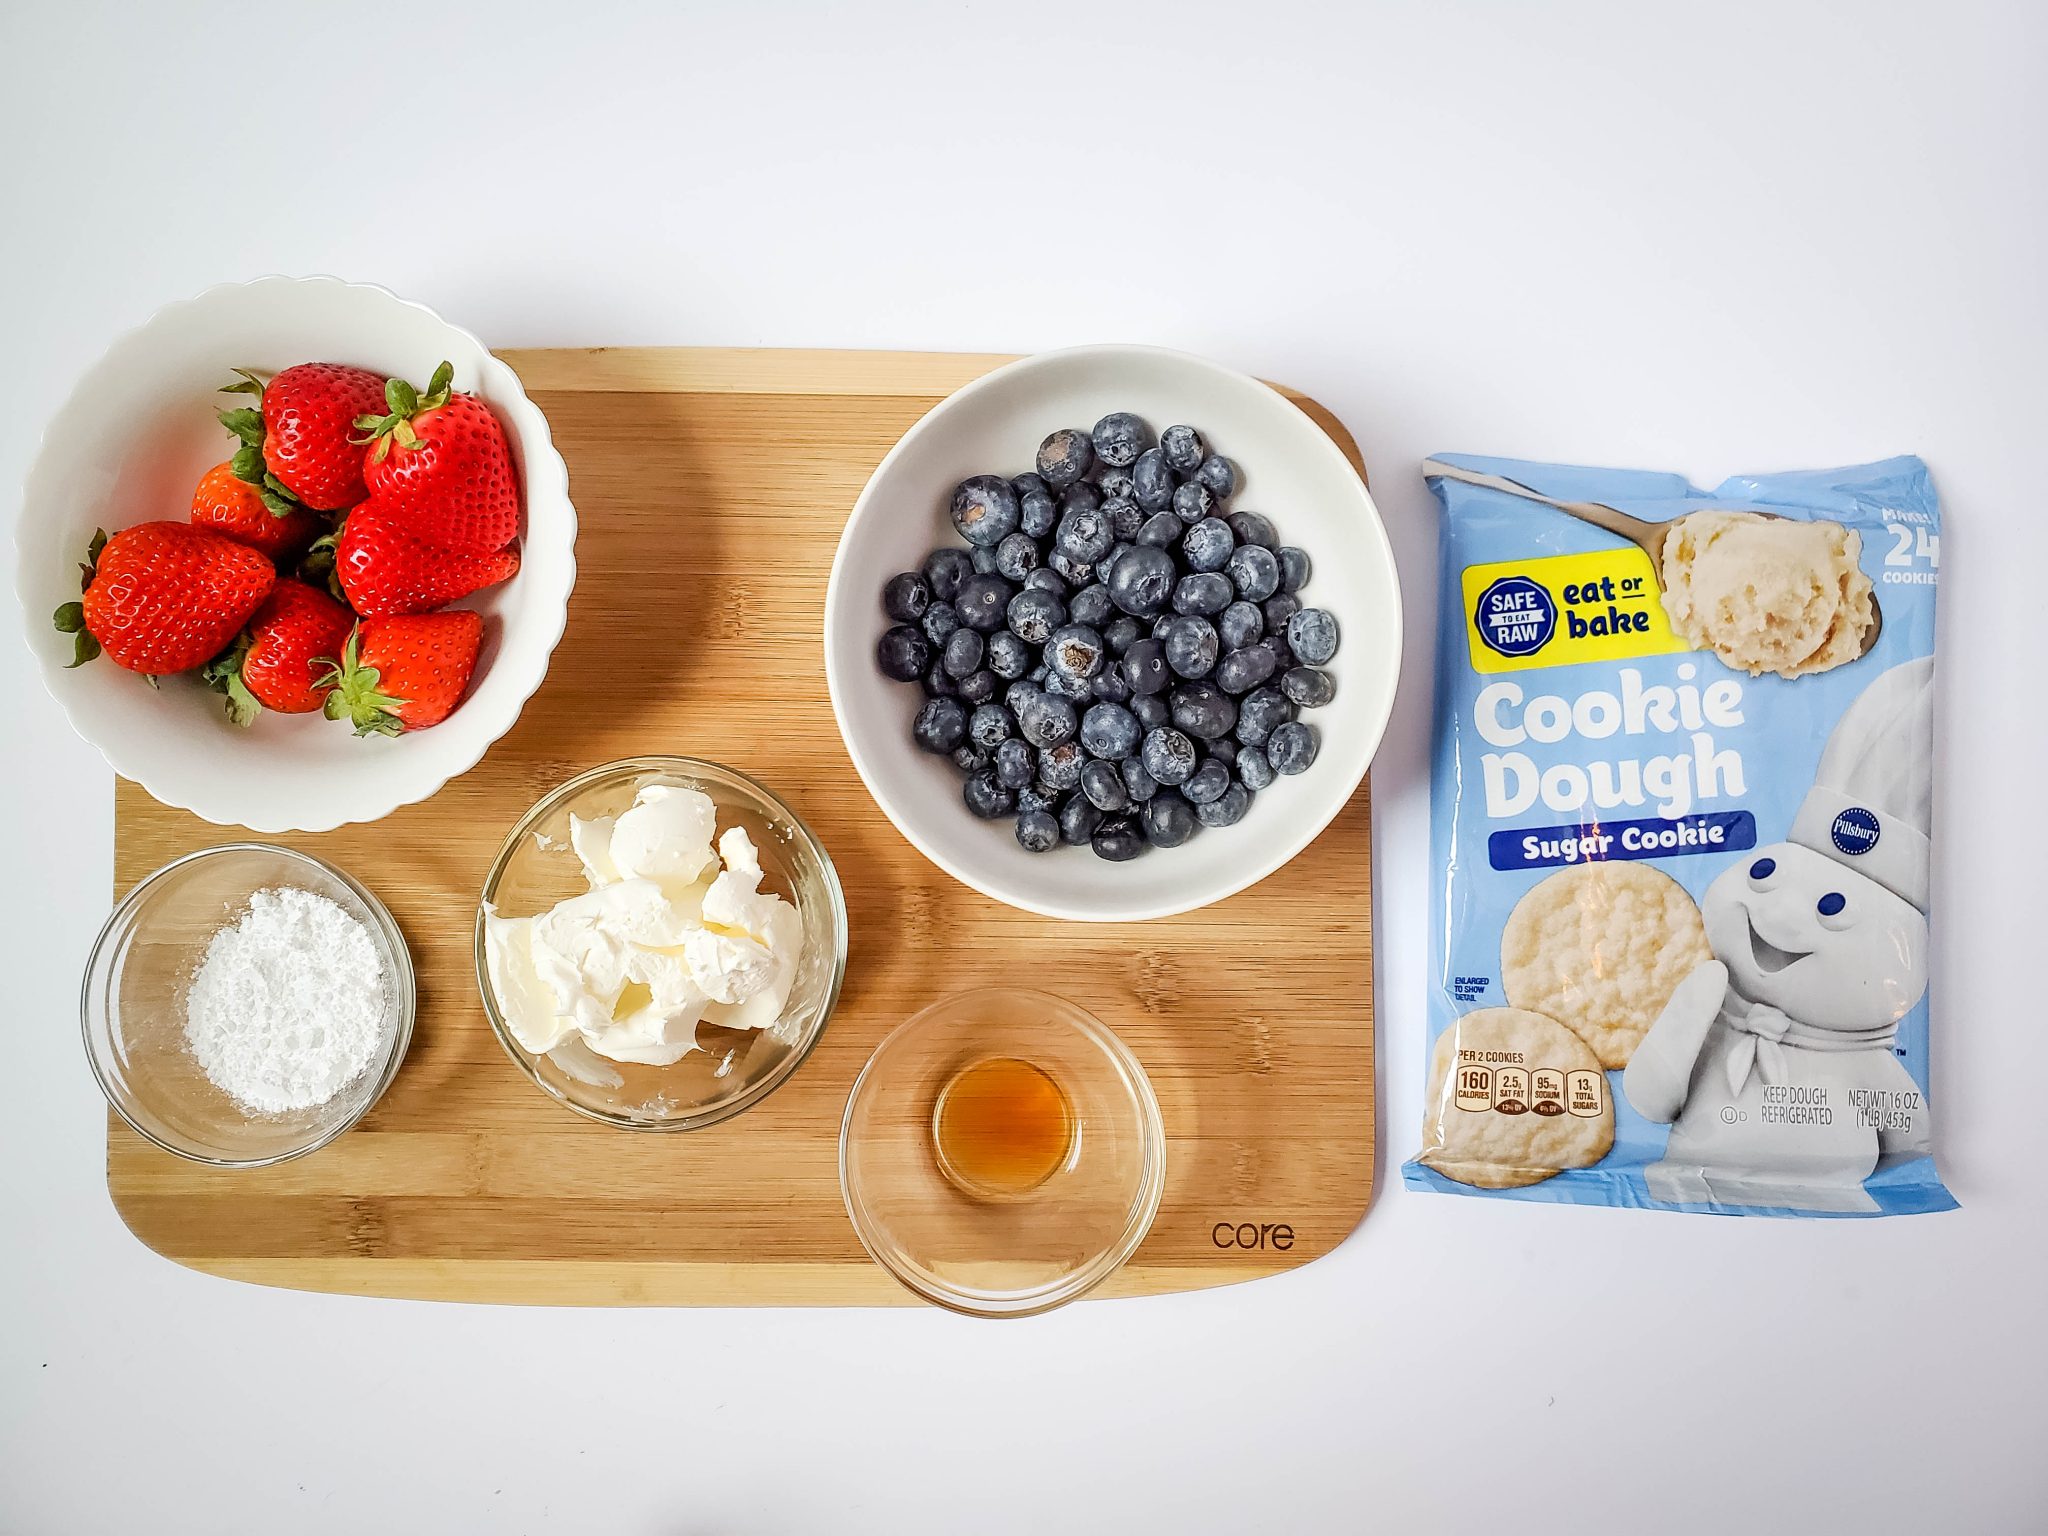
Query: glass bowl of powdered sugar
{"points": [[246, 1004]]}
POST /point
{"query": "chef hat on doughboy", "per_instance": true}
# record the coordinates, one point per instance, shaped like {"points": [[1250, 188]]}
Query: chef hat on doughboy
{"points": [[1871, 805]]}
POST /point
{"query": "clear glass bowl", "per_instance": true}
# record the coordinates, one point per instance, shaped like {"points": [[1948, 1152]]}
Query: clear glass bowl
{"points": [[1018, 1251], [737, 1068], [132, 1006]]}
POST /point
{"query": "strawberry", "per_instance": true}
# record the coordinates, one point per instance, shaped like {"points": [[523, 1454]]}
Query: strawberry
{"points": [[300, 445], [404, 673], [441, 464], [280, 658], [229, 504], [382, 569], [164, 597]]}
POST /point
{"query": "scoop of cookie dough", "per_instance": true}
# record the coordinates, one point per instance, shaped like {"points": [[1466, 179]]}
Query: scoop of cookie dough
{"points": [[1767, 594]]}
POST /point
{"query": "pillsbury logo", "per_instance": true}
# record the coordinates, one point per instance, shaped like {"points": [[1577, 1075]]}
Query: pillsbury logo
{"points": [[1855, 830]]}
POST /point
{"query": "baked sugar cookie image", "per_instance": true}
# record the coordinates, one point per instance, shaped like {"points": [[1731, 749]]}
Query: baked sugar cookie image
{"points": [[1768, 594], [1514, 1098], [1600, 948]]}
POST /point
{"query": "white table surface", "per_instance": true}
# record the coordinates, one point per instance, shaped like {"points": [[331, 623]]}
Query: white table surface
{"points": [[1750, 238]]}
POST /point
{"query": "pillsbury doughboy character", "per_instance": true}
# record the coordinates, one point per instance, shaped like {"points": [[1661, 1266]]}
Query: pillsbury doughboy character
{"points": [[1773, 1062]]}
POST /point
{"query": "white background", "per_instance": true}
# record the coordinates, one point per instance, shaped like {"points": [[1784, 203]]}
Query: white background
{"points": [[1714, 239]]}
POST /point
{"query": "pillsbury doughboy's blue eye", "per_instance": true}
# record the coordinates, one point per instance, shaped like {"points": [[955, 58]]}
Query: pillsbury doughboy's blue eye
{"points": [[1763, 869], [1831, 903]]}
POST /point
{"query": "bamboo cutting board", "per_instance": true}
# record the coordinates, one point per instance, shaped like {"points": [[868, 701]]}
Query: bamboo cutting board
{"points": [[699, 472]]}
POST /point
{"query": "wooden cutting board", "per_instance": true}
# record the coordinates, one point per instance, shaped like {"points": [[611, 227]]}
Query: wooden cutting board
{"points": [[711, 487]]}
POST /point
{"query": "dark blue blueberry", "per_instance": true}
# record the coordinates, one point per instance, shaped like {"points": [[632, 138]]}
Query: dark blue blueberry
{"points": [[1075, 650], [945, 569], [1107, 563], [1183, 448], [1028, 483], [1192, 501], [964, 650], [1216, 473], [1295, 568], [1207, 545], [1308, 687], [1312, 635], [1119, 438], [1065, 456], [1152, 483], [1117, 840], [903, 653], [1254, 768], [1092, 606], [1008, 656], [1103, 784], [1018, 693], [1110, 687], [1016, 763], [1111, 731], [1120, 634], [1045, 579], [1145, 667], [905, 597], [1076, 573], [1207, 782], [1831, 904], [1224, 751], [1059, 767], [1037, 514], [1125, 516], [1142, 581], [1080, 497], [1191, 645], [1167, 755], [1258, 712], [1079, 818], [1017, 556], [1162, 530], [983, 602], [1292, 748], [1283, 658], [978, 687], [1034, 614], [970, 758], [987, 798], [1151, 709], [1251, 528], [1254, 572], [1037, 832], [939, 683], [1242, 671], [1077, 690], [990, 726], [1168, 820], [941, 725], [1138, 781], [1227, 809], [985, 510], [1038, 797], [1204, 711], [1046, 721], [1278, 609], [1206, 593], [1084, 535], [1240, 624], [1114, 483], [984, 561]]}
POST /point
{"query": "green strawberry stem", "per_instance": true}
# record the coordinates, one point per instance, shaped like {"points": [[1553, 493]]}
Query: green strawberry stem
{"points": [[246, 422], [223, 675], [405, 403], [356, 695], [70, 617]]}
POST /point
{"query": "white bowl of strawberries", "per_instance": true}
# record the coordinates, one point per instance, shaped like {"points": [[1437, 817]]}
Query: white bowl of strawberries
{"points": [[326, 525]]}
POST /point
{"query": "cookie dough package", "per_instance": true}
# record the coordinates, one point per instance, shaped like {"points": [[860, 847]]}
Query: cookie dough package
{"points": [[1681, 800]]}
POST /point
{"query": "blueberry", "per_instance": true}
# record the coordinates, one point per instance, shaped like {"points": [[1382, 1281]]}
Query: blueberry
{"points": [[1092, 606], [1191, 645], [1117, 840], [1045, 721], [1114, 484], [1080, 497], [1016, 763], [1145, 667], [1278, 609], [1046, 579], [1034, 614], [978, 687], [1308, 687], [1223, 750], [1294, 568], [1018, 693], [1312, 635], [1037, 513], [1192, 501], [939, 683], [1079, 818], [945, 569], [983, 602], [1107, 563], [1251, 528], [1254, 572], [1227, 809], [1207, 782], [1167, 755], [1216, 473], [1150, 708], [1207, 545], [984, 561], [1152, 483], [1203, 711], [1254, 768], [1242, 671], [1205, 592], [987, 798], [1240, 625], [1110, 687], [1076, 573], [906, 597], [1037, 832], [1125, 516], [941, 725], [1059, 767], [1138, 781], [1120, 634], [1258, 712], [964, 650], [1168, 820], [1008, 656], [985, 510], [1065, 456], [1183, 448], [903, 653], [990, 726], [1075, 650], [1292, 748], [1283, 657], [1162, 624], [1084, 535], [1103, 784], [1142, 580], [1110, 730], [970, 758], [1038, 797], [1119, 438], [1162, 530], [1027, 483], [1017, 556], [1077, 690]]}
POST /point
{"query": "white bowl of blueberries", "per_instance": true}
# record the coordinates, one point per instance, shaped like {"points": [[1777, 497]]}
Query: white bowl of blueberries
{"points": [[1112, 633]]}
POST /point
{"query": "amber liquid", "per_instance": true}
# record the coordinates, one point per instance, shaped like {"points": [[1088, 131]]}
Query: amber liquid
{"points": [[1002, 1127]]}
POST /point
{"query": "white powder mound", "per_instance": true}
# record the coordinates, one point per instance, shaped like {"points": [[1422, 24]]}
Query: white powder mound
{"points": [[287, 1007]]}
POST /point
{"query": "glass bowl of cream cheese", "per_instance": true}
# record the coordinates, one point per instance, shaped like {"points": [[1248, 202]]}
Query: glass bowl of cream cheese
{"points": [[660, 942]]}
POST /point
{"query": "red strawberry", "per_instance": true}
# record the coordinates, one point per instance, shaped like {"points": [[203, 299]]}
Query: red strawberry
{"points": [[404, 673], [442, 466], [229, 504], [279, 660], [385, 570], [164, 597], [303, 438]]}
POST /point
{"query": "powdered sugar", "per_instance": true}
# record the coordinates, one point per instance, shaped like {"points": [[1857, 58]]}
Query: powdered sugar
{"points": [[288, 1006]]}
